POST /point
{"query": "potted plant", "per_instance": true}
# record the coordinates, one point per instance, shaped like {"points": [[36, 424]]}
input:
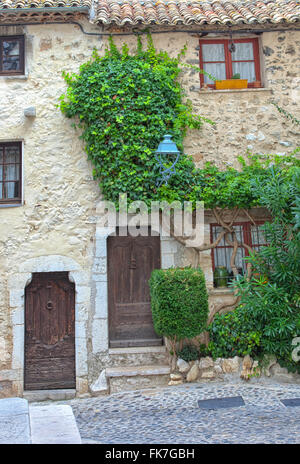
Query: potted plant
{"points": [[220, 276], [234, 83]]}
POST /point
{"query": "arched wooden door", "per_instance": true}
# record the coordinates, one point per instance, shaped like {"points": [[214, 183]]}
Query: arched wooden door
{"points": [[130, 263], [49, 332]]}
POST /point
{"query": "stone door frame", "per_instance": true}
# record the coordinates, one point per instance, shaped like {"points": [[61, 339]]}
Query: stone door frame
{"points": [[100, 337], [17, 285]]}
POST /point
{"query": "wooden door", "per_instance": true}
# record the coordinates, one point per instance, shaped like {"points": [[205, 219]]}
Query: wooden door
{"points": [[49, 332], [130, 263]]}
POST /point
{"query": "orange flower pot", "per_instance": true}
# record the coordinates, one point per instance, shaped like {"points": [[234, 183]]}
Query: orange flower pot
{"points": [[232, 84]]}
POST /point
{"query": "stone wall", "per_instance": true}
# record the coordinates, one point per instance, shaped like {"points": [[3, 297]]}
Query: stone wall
{"points": [[55, 226], [233, 369]]}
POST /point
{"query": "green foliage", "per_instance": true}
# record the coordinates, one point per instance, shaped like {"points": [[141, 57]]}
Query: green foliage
{"points": [[231, 188], [233, 334], [269, 313], [123, 104], [236, 76], [179, 302], [285, 113], [188, 353]]}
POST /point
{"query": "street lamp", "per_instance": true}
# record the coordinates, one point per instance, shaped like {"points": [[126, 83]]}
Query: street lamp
{"points": [[167, 155]]}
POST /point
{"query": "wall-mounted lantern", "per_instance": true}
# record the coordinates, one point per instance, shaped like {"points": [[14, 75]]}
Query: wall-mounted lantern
{"points": [[167, 155]]}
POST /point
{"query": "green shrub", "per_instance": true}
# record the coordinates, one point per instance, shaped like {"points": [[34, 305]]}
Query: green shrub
{"points": [[233, 334], [188, 353], [268, 318], [179, 303]]}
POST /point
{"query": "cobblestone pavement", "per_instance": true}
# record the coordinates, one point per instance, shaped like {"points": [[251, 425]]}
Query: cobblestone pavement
{"points": [[171, 415]]}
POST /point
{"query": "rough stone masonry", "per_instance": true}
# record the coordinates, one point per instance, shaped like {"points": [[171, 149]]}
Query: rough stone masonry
{"points": [[54, 229]]}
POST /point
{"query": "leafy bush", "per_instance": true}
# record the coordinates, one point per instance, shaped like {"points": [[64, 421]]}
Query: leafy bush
{"points": [[188, 353], [269, 316], [179, 302], [123, 104]]}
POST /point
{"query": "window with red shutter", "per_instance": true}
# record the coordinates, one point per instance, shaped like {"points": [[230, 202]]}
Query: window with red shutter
{"points": [[246, 232], [224, 58]]}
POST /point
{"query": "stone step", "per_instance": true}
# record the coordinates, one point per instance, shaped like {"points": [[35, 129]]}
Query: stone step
{"points": [[138, 356], [53, 424], [128, 378], [132, 371], [45, 395]]}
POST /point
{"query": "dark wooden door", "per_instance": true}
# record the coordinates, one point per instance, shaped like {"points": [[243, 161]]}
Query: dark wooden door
{"points": [[130, 263], [49, 332]]}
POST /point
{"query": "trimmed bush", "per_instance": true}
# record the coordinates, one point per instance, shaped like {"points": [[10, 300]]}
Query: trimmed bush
{"points": [[179, 302]]}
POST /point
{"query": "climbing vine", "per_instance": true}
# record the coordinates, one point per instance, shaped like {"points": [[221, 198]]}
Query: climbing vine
{"points": [[123, 104]]}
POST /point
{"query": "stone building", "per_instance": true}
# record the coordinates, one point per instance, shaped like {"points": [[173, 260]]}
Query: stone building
{"points": [[54, 255]]}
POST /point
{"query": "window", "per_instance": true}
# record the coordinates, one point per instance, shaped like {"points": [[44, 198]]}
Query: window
{"points": [[224, 58], [245, 232], [10, 172], [11, 55]]}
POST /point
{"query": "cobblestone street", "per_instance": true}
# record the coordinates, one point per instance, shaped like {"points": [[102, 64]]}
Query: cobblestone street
{"points": [[172, 416]]}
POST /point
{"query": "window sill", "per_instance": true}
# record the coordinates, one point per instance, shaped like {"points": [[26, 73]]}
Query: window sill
{"points": [[213, 91], [221, 291], [19, 77]]}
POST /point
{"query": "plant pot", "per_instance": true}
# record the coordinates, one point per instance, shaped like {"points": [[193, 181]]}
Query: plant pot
{"points": [[232, 84], [220, 276]]}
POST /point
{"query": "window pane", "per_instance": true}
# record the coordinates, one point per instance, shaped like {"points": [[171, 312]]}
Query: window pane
{"points": [[1, 173], [222, 257], [216, 70], [1, 155], [246, 70], [11, 55], [257, 235], [11, 172], [243, 51], [12, 155], [213, 52], [239, 233], [1, 187]]}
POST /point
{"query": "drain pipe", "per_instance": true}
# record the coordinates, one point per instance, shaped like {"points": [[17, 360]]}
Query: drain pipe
{"points": [[45, 9]]}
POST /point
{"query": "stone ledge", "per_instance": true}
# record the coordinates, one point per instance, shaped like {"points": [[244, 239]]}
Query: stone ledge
{"points": [[221, 291], [232, 91], [44, 395], [137, 370], [53, 424]]}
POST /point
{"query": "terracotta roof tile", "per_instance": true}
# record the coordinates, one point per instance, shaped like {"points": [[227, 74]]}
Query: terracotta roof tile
{"points": [[171, 12], [176, 12]]}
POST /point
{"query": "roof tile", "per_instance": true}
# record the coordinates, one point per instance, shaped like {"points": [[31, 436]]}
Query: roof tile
{"points": [[173, 12]]}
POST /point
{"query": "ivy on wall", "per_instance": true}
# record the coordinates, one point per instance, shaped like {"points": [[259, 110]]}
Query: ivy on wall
{"points": [[124, 104]]}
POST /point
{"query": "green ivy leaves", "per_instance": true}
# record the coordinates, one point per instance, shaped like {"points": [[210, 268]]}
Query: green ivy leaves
{"points": [[124, 104]]}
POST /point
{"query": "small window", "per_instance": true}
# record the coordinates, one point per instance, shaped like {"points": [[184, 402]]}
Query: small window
{"points": [[252, 235], [224, 58], [10, 172], [11, 55]]}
